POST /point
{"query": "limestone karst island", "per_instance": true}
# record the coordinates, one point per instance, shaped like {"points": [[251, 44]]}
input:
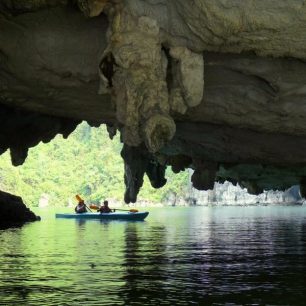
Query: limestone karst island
{"points": [[153, 152]]}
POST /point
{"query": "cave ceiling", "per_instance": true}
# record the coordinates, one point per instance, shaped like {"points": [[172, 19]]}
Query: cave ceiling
{"points": [[214, 85]]}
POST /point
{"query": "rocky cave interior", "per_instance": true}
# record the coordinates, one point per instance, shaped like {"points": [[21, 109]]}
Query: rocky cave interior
{"points": [[218, 86]]}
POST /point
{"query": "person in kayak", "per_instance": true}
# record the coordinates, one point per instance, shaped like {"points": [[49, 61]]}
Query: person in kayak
{"points": [[81, 207], [105, 209]]}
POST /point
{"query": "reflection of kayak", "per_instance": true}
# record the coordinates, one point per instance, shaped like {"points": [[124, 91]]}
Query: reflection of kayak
{"points": [[134, 216]]}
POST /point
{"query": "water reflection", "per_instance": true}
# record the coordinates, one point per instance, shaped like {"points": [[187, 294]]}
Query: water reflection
{"points": [[131, 264], [224, 258], [145, 257], [197, 256]]}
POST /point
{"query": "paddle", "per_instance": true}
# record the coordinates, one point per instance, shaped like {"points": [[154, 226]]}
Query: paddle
{"points": [[114, 209], [88, 207], [130, 210]]}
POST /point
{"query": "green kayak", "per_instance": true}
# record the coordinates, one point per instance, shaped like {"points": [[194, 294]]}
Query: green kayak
{"points": [[133, 216]]}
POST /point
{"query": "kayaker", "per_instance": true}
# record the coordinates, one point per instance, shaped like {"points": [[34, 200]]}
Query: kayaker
{"points": [[81, 207], [105, 209]]}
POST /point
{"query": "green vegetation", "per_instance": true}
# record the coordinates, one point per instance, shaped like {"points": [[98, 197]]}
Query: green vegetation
{"points": [[88, 163]]}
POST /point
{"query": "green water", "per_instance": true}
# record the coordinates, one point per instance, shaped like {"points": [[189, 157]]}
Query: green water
{"points": [[178, 256]]}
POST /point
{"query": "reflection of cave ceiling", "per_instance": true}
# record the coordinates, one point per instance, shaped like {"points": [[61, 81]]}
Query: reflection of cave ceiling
{"points": [[219, 85]]}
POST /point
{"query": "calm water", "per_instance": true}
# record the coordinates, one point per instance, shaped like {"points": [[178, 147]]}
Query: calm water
{"points": [[178, 256]]}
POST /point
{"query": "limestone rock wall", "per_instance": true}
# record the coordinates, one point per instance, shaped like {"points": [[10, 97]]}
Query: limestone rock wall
{"points": [[213, 85], [268, 28], [23, 6]]}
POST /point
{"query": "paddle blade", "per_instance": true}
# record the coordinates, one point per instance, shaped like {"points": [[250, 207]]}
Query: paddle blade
{"points": [[93, 206], [133, 210], [79, 198]]}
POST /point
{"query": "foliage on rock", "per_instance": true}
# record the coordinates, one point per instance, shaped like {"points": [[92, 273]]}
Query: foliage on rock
{"points": [[88, 163]]}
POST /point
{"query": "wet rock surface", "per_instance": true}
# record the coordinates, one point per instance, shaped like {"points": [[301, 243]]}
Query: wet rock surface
{"points": [[13, 211]]}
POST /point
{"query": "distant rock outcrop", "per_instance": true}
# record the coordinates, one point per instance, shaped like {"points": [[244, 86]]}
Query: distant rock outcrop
{"points": [[13, 211], [228, 194]]}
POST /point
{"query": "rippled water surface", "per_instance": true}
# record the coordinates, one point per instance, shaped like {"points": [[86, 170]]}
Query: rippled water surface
{"points": [[178, 256]]}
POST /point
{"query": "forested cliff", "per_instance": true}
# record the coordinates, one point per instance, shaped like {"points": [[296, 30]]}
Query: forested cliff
{"points": [[88, 163]]}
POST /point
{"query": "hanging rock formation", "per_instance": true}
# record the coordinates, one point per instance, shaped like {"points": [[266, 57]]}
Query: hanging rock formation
{"points": [[214, 85], [20, 130], [137, 162], [138, 84]]}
